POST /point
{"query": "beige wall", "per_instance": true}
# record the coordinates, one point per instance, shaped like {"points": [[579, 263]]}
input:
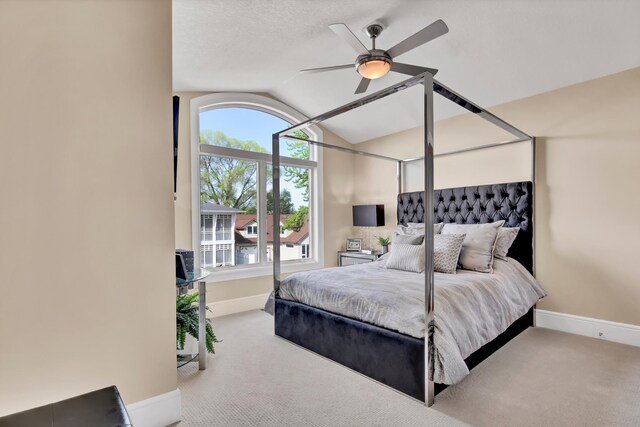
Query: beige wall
{"points": [[587, 234], [338, 189], [87, 209]]}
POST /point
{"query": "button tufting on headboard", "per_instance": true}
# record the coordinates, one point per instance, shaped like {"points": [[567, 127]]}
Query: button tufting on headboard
{"points": [[512, 202]]}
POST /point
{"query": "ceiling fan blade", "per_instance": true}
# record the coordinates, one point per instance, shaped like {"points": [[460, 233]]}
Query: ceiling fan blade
{"points": [[345, 34], [321, 69], [412, 70], [362, 87], [423, 36]]}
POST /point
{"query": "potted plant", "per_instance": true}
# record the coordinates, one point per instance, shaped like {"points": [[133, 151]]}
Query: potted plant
{"points": [[384, 243], [187, 322]]}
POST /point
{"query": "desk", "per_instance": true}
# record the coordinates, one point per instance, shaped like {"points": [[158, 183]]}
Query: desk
{"points": [[182, 287]]}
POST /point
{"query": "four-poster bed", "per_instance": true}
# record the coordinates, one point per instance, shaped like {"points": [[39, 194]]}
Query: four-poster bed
{"points": [[404, 362]]}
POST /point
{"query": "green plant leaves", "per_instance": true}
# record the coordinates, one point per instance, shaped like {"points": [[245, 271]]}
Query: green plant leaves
{"points": [[187, 322]]}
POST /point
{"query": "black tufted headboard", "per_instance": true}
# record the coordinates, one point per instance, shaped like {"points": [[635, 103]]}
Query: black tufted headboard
{"points": [[512, 202]]}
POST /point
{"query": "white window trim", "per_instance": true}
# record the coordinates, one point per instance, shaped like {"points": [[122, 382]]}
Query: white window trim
{"points": [[279, 109], [250, 227]]}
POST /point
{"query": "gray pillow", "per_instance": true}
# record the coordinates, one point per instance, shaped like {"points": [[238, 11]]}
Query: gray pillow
{"points": [[477, 248], [506, 236], [446, 251], [418, 227], [407, 239], [406, 257]]}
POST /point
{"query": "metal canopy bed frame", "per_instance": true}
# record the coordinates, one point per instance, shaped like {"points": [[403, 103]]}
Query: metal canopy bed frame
{"points": [[301, 324]]}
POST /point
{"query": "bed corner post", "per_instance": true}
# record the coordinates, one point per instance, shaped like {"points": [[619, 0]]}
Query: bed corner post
{"points": [[533, 213], [428, 203], [275, 154]]}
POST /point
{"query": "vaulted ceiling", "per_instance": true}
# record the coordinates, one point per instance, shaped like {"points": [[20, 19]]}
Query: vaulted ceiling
{"points": [[496, 51]]}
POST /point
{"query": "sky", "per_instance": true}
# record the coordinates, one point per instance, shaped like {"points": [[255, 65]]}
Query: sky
{"points": [[251, 125]]}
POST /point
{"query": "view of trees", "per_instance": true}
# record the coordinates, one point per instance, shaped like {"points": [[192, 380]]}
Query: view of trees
{"points": [[233, 183], [286, 204], [299, 177], [224, 181]]}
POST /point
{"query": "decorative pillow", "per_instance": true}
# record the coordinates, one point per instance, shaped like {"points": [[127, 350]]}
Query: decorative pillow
{"points": [[406, 257], [477, 248], [407, 239], [414, 227], [506, 237], [446, 251]]}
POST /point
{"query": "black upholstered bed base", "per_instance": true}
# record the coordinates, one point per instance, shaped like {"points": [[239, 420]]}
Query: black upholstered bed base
{"points": [[389, 357]]}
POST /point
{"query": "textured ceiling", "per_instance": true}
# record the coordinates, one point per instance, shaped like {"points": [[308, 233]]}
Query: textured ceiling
{"points": [[496, 51]]}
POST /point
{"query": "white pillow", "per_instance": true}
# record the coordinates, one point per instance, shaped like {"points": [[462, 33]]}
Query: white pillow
{"points": [[406, 257], [477, 248], [446, 251], [506, 237]]}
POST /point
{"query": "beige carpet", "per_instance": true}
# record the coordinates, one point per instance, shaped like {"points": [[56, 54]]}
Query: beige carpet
{"points": [[541, 378]]}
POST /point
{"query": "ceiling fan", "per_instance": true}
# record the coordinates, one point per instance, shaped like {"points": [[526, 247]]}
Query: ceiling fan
{"points": [[375, 63]]}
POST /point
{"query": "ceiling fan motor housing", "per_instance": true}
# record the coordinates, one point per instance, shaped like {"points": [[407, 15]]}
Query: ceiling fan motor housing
{"points": [[373, 55]]}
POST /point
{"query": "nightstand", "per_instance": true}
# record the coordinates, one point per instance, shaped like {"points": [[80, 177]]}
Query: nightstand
{"points": [[352, 258]]}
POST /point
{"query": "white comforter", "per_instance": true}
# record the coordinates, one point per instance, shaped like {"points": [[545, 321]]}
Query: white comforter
{"points": [[471, 308]]}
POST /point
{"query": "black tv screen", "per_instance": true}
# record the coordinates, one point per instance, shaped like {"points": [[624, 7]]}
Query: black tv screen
{"points": [[368, 215]]}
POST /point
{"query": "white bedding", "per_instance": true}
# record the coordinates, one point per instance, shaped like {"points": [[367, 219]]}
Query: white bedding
{"points": [[471, 308]]}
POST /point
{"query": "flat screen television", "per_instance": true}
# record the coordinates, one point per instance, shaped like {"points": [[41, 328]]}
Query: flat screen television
{"points": [[176, 115]]}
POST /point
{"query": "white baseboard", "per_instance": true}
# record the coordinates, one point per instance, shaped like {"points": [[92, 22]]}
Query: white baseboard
{"points": [[157, 411], [595, 328], [238, 305]]}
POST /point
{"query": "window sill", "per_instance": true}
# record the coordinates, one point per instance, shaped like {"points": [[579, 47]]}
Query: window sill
{"points": [[232, 273]]}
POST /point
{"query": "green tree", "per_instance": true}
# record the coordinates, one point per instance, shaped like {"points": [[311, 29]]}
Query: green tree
{"points": [[298, 176], [225, 181], [296, 221], [286, 204]]}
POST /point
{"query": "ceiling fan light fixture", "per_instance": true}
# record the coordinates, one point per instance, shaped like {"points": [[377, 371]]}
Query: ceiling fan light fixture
{"points": [[374, 68]]}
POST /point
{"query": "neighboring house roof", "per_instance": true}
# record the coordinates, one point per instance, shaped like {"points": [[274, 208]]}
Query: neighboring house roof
{"points": [[213, 208], [242, 220]]}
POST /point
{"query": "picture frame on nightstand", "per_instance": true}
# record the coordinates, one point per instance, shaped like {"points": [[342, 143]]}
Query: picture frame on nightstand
{"points": [[354, 245]]}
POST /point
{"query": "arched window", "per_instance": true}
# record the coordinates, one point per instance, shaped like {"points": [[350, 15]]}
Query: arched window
{"points": [[232, 186]]}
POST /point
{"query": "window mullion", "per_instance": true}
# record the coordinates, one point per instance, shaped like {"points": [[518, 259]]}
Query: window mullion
{"points": [[312, 211], [262, 211], [234, 153]]}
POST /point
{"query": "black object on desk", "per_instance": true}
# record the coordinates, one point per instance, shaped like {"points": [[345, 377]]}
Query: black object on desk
{"points": [[100, 408], [187, 256], [181, 268]]}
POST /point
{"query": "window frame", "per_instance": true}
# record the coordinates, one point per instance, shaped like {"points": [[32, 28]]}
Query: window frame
{"points": [[252, 229], [270, 106], [223, 218]]}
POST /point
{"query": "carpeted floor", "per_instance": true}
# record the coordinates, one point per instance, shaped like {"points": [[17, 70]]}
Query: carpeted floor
{"points": [[541, 378]]}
